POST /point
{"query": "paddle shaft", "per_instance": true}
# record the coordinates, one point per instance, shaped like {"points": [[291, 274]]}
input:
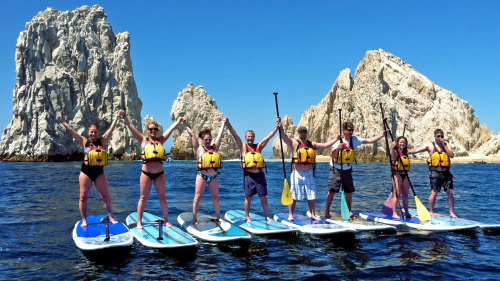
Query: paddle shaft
{"points": [[341, 143], [281, 140]]}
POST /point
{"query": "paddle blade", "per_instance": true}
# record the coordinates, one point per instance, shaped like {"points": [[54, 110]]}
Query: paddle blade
{"points": [[387, 208], [422, 212], [286, 195], [344, 209]]}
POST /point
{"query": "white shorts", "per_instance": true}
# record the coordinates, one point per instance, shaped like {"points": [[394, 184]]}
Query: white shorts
{"points": [[303, 183]]}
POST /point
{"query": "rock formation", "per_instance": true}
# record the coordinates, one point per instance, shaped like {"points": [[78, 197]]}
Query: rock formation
{"points": [[71, 62], [405, 94], [201, 112]]}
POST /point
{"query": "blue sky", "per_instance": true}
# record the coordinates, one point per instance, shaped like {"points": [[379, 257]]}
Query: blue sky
{"points": [[243, 51]]}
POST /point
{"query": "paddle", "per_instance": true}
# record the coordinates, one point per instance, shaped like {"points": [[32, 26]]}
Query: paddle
{"points": [[105, 219], [422, 212], [217, 222], [387, 207], [344, 209], [286, 195], [404, 127]]}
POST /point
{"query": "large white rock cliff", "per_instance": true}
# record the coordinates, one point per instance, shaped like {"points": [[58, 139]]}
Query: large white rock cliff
{"points": [[405, 94], [71, 62], [201, 112]]}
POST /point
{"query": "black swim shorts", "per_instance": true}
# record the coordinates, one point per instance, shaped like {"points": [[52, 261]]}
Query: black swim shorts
{"points": [[334, 180], [441, 179]]}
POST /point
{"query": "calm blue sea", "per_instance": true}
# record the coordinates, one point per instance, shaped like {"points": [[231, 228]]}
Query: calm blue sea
{"points": [[39, 207]]}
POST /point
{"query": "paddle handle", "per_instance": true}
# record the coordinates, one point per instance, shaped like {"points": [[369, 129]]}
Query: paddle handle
{"points": [[279, 130]]}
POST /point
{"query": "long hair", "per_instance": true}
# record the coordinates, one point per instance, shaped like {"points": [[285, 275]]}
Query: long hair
{"points": [[204, 132], [405, 150]]}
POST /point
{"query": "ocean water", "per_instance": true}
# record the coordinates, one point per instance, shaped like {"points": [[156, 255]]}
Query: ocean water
{"points": [[39, 207]]}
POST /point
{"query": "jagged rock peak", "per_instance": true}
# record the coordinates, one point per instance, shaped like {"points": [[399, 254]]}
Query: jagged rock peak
{"points": [[406, 94], [72, 62], [201, 112]]}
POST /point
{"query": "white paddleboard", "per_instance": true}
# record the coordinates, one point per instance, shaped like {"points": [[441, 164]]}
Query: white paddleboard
{"points": [[308, 225], [437, 224], [94, 237], [150, 235], [358, 224], [258, 224], [483, 226], [210, 230]]}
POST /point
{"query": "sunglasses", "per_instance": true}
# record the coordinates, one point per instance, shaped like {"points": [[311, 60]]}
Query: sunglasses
{"points": [[210, 139], [153, 129], [350, 130], [439, 136]]}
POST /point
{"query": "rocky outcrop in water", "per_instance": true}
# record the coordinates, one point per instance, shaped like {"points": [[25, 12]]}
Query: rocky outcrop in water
{"points": [[405, 94], [201, 112], [71, 62]]}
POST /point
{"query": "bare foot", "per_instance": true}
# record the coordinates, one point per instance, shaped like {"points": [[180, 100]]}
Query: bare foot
{"points": [[315, 218], [432, 215], [248, 221], [453, 215], [84, 223], [112, 220], [195, 222], [290, 218], [220, 220], [168, 225], [269, 219], [395, 216], [328, 216], [353, 216], [409, 216], [139, 226]]}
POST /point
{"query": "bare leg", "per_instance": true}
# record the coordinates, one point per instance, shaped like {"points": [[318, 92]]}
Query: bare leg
{"points": [[329, 199], [161, 189], [101, 183], [85, 185], [265, 207], [291, 207], [146, 184], [348, 199], [395, 199], [199, 190], [405, 191], [248, 202], [213, 186], [432, 201], [451, 202], [312, 209]]}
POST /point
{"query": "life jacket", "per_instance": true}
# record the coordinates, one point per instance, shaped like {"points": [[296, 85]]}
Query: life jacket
{"points": [[304, 154], [253, 158], [153, 150], [95, 155], [210, 159], [346, 155], [397, 166], [438, 159]]}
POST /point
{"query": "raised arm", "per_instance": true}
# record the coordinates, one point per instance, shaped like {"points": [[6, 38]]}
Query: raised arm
{"points": [[218, 140], [422, 149], [266, 139], [174, 125], [109, 132], [284, 136], [79, 139], [376, 138], [193, 137], [394, 152], [321, 146], [237, 138], [140, 137]]}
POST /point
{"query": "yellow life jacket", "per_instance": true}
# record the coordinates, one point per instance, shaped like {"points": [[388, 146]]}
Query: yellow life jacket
{"points": [[304, 154], [346, 155], [95, 155], [253, 159], [153, 151], [210, 159], [438, 159], [397, 166]]}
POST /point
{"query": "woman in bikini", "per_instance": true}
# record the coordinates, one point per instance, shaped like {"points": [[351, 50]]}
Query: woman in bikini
{"points": [[152, 156], [92, 167], [400, 167], [208, 161]]}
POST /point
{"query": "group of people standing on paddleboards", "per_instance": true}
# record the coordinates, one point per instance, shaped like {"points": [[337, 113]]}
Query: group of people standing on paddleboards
{"points": [[302, 176]]}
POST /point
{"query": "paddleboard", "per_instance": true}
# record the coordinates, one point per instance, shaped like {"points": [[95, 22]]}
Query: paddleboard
{"points": [[258, 224], [358, 224], [149, 235], [210, 230], [308, 225], [481, 225], [93, 236], [437, 224]]}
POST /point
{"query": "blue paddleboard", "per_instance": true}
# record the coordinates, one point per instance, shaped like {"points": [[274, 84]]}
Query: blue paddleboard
{"points": [[482, 225], [93, 236], [258, 224], [150, 236], [210, 230], [307, 225]]}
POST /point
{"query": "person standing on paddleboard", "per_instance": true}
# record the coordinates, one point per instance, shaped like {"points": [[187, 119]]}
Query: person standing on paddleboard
{"points": [[342, 173], [400, 167], [439, 161], [252, 164], [92, 167], [152, 155], [303, 162], [208, 162]]}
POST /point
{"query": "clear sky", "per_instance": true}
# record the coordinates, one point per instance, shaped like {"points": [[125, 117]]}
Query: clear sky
{"points": [[243, 51]]}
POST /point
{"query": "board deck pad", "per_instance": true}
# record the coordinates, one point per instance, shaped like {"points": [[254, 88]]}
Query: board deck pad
{"points": [[430, 225], [357, 223], [307, 225], [258, 224], [172, 237], [208, 229], [92, 237]]}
